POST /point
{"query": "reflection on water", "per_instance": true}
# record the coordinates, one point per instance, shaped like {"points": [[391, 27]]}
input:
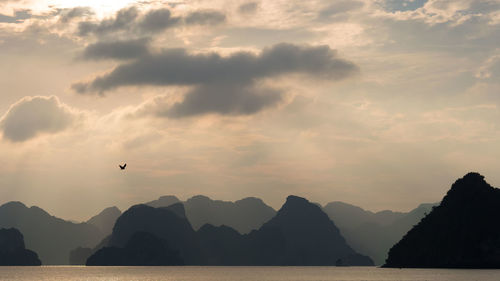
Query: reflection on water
{"points": [[193, 273]]}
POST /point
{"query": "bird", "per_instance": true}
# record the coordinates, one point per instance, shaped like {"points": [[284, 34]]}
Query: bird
{"points": [[122, 167]]}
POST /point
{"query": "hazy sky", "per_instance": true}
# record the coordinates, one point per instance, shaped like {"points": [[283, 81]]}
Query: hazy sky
{"points": [[377, 103]]}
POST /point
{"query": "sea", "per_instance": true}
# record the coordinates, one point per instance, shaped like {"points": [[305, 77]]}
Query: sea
{"points": [[246, 273]]}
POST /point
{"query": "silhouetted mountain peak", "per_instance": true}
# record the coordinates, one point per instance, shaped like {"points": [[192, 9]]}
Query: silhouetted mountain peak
{"points": [[168, 197], [161, 222], [111, 211], [302, 234], [464, 188], [178, 209], [461, 232], [39, 210], [164, 201], [142, 217], [200, 199], [19, 208], [14, 205], [295, 204], [250, 200], [470, 181], [137, 207], [105, 220], [292, 199]]}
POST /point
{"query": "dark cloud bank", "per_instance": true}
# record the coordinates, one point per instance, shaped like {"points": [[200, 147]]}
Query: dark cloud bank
{"points": [[219, 84], [132, 22], [121, 49]]}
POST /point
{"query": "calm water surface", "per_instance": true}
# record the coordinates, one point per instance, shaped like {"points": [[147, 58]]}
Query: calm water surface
{"points": [[189, 273]]}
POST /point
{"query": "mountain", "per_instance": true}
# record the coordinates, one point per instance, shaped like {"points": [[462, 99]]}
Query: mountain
{"points": [[52, 238], [243, 215], [372, 233], [163, 201], [13, 251], [143, 249], [105, 220], [222, 245], [300, 234], [350, 216], [462, 232], [166, 223]]}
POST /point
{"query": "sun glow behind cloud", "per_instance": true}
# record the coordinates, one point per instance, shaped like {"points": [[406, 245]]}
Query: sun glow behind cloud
{"points": [[102, 8]]}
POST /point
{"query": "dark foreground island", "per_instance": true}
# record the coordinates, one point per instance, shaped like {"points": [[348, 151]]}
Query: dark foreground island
{"points": [[12, 250], [462, 232]]}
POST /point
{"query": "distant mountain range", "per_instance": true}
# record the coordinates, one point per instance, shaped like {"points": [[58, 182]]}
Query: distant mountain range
{"points": [[369, 233], [299, 234], [61, 242], [52, 238], [462, 232], [373, 234], [243, 215]]}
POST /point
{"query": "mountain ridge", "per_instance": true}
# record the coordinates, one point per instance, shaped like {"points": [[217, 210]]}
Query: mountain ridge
{"points": [[299, 234]]}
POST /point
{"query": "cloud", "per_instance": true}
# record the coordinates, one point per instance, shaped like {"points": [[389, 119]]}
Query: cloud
{"points": [[404, 5], [178, 67], [248, 8], [131, 21], [225, 99], [158, 20], [32, 116], [67, 15], [207, 17], [122, 21], [339, 8], [224, 85], [18, 17], [490, 68], [123, 49]]}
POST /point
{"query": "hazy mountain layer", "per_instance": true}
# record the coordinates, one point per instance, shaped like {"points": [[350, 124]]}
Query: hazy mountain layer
{"points": [[52, 238], [370, 233], [300, 234], [105, 220], [243, 215]]}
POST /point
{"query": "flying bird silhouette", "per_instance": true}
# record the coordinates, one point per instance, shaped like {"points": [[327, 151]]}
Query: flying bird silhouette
{"points": [[122, 167]]}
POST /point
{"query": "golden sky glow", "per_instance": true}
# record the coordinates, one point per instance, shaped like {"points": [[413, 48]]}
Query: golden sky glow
{"points": [[377, 103]]}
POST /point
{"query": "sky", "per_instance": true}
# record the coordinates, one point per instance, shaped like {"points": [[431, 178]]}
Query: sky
{"points": [[378, 103]]}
